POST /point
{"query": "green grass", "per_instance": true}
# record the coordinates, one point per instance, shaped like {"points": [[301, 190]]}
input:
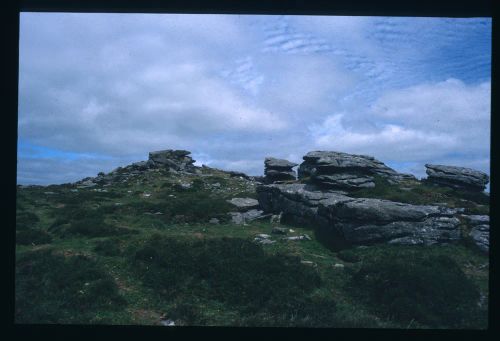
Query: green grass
{"points": [[177, 265], [406, 284], [52, 288]]}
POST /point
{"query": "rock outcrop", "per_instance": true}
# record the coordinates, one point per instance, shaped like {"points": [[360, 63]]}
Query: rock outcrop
{"points": [[480, 232], [360, 220], [177, 160], [278, 170], [457, 177], [346, 171]]}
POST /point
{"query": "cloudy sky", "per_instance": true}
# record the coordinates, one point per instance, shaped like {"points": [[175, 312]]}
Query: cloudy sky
{"points": [[97, 91]]}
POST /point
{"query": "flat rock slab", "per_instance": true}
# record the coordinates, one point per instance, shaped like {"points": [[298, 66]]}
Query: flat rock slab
{"points": [[344, 180], [244, 204], [271, 162], [457, 176], [330, 163]]}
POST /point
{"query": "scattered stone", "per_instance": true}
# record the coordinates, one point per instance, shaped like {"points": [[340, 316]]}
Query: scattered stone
{"points": [[308, 262], [263, 239], [266, 241], [263, 236], [244, 204], [278, 170], [279, 230], [214, 221], [301, 237], [146, 195], [457, 177], [185, 185]]}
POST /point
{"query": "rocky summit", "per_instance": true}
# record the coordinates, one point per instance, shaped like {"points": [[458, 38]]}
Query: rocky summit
{"points": [[276, 170], [458, 177], [177, 160], [346, 171]]}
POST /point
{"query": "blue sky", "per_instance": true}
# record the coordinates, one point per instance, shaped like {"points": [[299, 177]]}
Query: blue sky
{"points": [[98, 91]]}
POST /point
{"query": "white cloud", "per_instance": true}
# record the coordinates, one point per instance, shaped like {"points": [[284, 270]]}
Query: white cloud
{"points": [[446, 121], [235, 89]]}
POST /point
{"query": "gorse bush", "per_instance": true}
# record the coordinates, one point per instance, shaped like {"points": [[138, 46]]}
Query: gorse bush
{"points": [[52, 288], [271, 290], [406, 285]]}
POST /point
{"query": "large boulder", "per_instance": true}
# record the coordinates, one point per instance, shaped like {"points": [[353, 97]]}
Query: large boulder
{"points": [[457, 177], [360, 220], [276, 170], [331, 169], [177, 160]]}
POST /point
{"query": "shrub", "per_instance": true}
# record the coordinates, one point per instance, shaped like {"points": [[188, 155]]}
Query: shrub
{"points": [[108, 247], [196, 207], [95, 227], [31, 236], [408, 285], [51, 288], [26, 220], [266, 289]]}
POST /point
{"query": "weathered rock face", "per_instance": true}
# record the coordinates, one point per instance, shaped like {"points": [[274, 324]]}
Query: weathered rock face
{"points": [[361, 220], [177, 160], [278, 170], [480, 232], [346, 171], [458, 177]]}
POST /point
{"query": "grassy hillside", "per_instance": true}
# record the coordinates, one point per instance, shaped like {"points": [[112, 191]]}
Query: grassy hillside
{"points": [[143, 251]]}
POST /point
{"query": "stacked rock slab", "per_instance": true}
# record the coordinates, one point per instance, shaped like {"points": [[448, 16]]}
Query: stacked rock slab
{"points": [[331, 169], [278, 170], [248, 210], [457, 177], [177, 160], [360, 220]]}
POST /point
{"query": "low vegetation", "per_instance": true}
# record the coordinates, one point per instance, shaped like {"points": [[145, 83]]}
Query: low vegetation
{"points": [[143, 250]]}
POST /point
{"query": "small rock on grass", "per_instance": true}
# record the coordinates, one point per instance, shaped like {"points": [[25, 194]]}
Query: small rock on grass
{"points": [[279, 230]]}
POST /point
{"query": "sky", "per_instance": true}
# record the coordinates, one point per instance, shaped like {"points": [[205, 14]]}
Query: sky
{"points": [[98, 91]]}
